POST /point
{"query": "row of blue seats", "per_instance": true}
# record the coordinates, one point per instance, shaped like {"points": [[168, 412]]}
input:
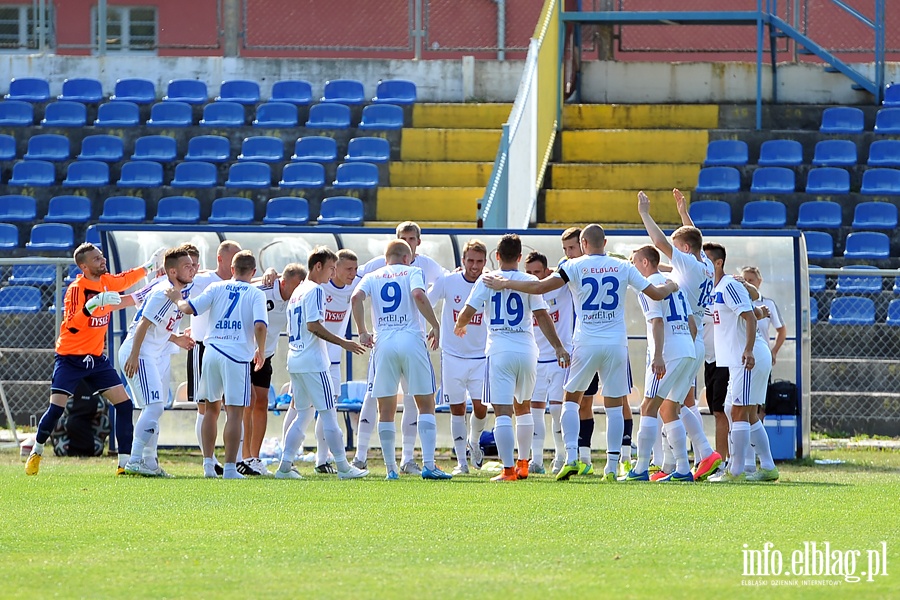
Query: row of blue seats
{"points": [[852, 310], [849, 120], [286, 210], [210, 148], [850, 284], [789, 153], [194, 174], [782, 180], [326, 115], [816, 214], [193, 91]]}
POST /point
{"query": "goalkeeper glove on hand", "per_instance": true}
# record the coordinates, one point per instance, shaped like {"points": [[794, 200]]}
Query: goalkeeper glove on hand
{"points": [[156, 260], [102, 299]]}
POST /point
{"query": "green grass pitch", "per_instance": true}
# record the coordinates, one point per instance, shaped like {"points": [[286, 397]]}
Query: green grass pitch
{"points": [[76, 530]]}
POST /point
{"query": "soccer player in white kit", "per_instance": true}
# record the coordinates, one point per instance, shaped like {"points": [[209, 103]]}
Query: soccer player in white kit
{"points": [[752, 276], [693, 272], [512, 353], [463, 358], [236, 337], [397, 293], [670, 371], [256, 419], [741, 348], [551, 377], [308, 364], [410, 233], [598, 283], [145, 358]]}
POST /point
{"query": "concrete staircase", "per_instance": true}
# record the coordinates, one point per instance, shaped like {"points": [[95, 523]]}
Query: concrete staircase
{"points": [[607, 153], [445, 163]]}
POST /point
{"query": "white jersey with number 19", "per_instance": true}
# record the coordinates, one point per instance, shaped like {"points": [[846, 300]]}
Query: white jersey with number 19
{"points": [[509, 315]]}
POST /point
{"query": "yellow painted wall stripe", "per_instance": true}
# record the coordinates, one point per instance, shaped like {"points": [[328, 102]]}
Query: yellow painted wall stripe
{"points": [[428, 204], [607, 206], [634, 146], [469, 116], [640, 116], [623, 176], [449, 144]]}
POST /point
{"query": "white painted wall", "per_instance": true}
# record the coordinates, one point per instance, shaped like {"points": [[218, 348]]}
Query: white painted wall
{"points": [[458, 80]]}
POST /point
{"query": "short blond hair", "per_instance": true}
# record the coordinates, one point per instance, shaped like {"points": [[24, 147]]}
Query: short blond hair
{"points": [[409, 226], [476, 245]]}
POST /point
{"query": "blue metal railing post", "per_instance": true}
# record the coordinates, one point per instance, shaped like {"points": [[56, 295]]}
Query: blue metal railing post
{"points": [[879, 50], [759, 60]]}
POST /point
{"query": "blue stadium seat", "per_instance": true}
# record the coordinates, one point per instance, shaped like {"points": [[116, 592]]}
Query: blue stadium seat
{"points": [[222, 114], [315, 148], [241, 91], [69, 209], [378, 117], [16, 114], [891, 95], [813, 311], [262, 148], [872, 215], [842, 119], [764, 214], [33, 275], [51, 236], [884, 153], [726, 153], [92, 236], [28, 89], [72, 273], [106, 148], [887, 121], [711, 214], [48, 146], [139, 91], [276, 114], [9, 236], [368, 149], [341, 210], [858, 284], [231, 211], [718, 180], [7, 147], [15, 208], [328, 115], [819, 245], [171, 114], [38, 173], [293, 91], [141, 174], [816, 280], [250, 174], [20, 299], [780, 153], [893, 313], [395, 91], [118, 114], [178, 209], [828, 181], [287, 210], [819, 215], [356, 175], [87, 173], [161, 148], [881, 182], [344, 91], [303, 175], [851, 310], [64, 114], [195, 174], [192, 91], [81, 89], [124, 209], [772, 180], [209, 148], [867, 244], [834, 153]]}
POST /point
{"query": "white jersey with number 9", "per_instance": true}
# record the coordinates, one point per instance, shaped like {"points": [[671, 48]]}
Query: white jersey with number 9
{"points": [[393, 307]]}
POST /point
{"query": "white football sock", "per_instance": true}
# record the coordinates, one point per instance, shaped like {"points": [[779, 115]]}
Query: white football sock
{"points": [[458, 434], [476, 428], [678, 441], [571, 425], [145, 428], [540, 434], [209, 467], [368, 417], [152, 448], [322, 445], [647, 434], [740, 436], [289, 415], [759, 439], [668, 465], [658, 454], [615, 427], [505, 439], [693, 425], [293, 440], [427, 426], [409, 428], [334, 439], [387, 433], [556, 430], [524, 435]]}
